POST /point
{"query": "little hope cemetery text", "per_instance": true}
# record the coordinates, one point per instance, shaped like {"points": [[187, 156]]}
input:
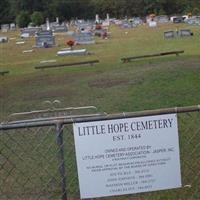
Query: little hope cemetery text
{"points": [[124, 156]]}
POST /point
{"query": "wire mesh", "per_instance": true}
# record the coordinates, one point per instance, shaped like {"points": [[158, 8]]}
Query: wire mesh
{"points": [[30, 164]]}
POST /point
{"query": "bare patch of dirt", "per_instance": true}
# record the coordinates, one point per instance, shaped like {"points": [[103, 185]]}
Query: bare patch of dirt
{"points": [[107, 83], [46, 78]]}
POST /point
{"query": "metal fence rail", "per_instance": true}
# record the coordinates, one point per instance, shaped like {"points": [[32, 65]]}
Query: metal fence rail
{"points": [[37, 157]]}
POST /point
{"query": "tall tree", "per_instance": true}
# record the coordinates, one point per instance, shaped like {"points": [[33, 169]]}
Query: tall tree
{"points": [[68, 9]]}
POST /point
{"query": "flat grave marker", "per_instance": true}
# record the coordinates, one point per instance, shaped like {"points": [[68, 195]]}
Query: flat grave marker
{"points": [[3, 39], [185, 33]]}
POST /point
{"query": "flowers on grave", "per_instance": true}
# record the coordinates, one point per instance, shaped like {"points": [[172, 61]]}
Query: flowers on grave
{"points": [[71, 43], [98, 27], [104, 34]]}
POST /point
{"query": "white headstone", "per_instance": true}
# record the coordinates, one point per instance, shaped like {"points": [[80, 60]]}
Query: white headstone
{"points": [[57, 20], [152, 24], [97, 18], [48, 24], [107, 17]]}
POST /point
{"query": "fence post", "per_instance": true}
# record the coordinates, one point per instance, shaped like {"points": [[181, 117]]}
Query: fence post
{"points": [[59, 138]]}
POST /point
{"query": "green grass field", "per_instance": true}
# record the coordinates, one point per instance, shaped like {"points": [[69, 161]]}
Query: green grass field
{"points": [[110, 86]]}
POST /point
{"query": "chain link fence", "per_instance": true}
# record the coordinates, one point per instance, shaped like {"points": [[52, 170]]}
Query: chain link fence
{"points": [[37, 160]]}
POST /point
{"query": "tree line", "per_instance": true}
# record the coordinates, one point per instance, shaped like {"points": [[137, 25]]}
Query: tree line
{"points": [[86, 9]]}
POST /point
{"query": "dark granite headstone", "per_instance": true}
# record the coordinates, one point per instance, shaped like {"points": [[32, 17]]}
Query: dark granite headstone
{"points": [[185, 33], [45, 39]]}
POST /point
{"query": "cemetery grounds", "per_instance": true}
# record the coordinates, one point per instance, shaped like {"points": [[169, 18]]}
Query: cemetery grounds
{"points": [[111, 86]]}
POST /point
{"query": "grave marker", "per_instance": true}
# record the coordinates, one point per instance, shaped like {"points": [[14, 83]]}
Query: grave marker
{"points": [[84, 38], [59, 28], [47, 24], [162, 19], [72, 52], [169, 34], [44, 39], [5, 28], [3, 39], [12, 26], [185, 33], [28, 32], [152, 24]]}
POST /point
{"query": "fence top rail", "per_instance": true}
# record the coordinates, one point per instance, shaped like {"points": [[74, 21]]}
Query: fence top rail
{"points": [[89, 118]]}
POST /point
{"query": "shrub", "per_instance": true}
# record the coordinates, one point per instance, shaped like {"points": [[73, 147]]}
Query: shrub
{"points": [[23, 19], [37, 18]]}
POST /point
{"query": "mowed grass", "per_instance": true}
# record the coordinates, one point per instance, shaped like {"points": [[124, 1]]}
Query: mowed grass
{"points": [[111, 86]]}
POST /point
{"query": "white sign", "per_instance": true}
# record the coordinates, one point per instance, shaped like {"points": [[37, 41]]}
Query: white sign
{"points": [[125, 156], [152, 24]]}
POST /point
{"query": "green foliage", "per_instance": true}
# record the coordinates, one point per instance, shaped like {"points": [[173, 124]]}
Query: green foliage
{"points": [[4, 9], [196, 11], [71, 9], [37, 18], [23, 19]]}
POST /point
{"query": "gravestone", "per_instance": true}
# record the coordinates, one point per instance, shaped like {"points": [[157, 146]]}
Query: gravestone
{"points": [[5, 28], [84, 38], [47, 24], [162, 19], [72, 52], [44, 39], [126, 24], [3, 39], [169, 34], [105, 23], [59, 28], [137, 21], [97, 20], [193, 21], [12, 26], [28, 32], [152, 24], [185, 33], [57, 20], [85, 26], [178, 20], [108, 17]]}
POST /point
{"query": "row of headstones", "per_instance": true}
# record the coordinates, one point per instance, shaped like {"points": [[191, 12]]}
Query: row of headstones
{"points": [[193, 20], [42, 39], [28, 32], [7, 27], [179, 33], [47, 39], [135, 22]]}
